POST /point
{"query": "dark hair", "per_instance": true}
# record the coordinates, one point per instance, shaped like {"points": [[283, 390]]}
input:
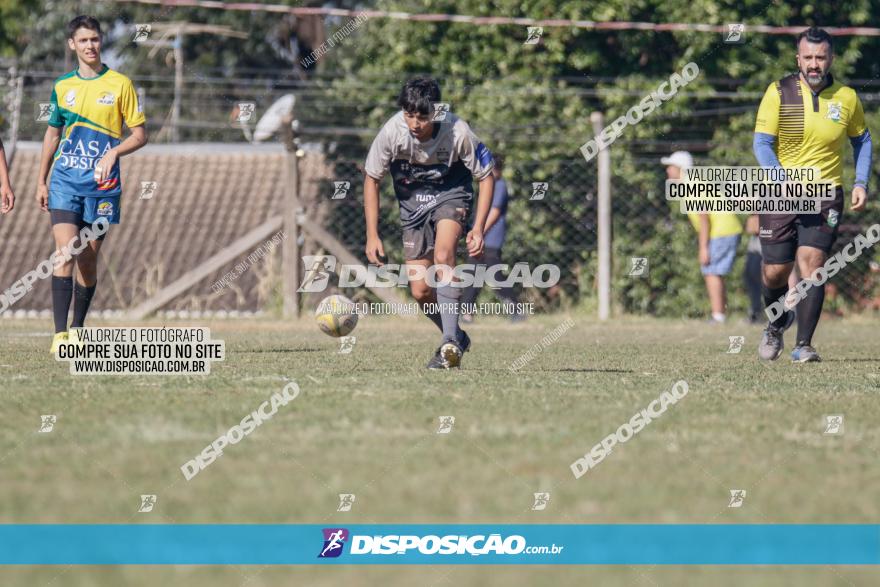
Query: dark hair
{"points": [[499, 161], [83, 22], [815, 35], [419, 94]]}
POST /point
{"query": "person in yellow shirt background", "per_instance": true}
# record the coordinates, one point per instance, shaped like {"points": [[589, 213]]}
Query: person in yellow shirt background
{"points": [[718, 237]]}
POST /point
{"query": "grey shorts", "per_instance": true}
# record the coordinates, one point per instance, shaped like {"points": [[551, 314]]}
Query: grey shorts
{"points": [[418, 241]]}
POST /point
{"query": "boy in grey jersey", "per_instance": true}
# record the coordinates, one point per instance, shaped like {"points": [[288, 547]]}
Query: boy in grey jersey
{"points": [[432, 164]]}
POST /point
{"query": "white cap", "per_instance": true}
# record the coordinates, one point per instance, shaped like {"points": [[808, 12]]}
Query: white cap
{"points": [[681, 159]]}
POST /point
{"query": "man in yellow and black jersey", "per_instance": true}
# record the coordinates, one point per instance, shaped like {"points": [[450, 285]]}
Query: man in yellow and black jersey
{"points": [[805, 120]]}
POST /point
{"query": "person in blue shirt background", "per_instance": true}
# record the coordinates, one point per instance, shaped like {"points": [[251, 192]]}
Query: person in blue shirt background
{"points": [[494, 235]]}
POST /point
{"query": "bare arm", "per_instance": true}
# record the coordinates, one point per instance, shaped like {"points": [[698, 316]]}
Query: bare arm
{"points": [[752, 224], [137, 139], [374, 248], [134, 141], [487, 188], [705, 228], [475, 236], [494, 215], [7, 196], [50, 145]]}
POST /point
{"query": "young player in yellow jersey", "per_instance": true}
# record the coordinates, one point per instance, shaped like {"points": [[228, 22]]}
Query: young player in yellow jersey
{"points": [[90, 104], [718, 236]]}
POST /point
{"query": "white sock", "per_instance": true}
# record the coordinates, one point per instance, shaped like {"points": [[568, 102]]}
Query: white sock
{"points": [[719, 316]]}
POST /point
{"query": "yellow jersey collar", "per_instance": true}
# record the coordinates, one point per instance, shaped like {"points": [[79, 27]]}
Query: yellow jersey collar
{"points": [[104, 69]]}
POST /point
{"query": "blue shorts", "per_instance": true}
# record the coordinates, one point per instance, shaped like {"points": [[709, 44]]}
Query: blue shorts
{"points": [[722, 252], [89, 209]]}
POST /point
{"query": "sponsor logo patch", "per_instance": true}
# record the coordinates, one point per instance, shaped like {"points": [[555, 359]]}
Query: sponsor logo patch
{"points": [[106, 98], [105, 209], [70, 97], [108, 184]]}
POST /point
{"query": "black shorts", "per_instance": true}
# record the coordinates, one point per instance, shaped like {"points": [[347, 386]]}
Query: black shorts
{"points": [[782, 234], [59, 216], [418, 241]]}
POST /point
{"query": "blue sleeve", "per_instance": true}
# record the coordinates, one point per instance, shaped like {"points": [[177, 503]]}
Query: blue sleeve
{"points": [[499, 197], [763, 148], [862, 156]]}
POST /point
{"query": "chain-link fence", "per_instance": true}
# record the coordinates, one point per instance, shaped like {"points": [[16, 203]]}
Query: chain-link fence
{"points": [[552, 213], [654, 247], [560, 200], [653, 233]]}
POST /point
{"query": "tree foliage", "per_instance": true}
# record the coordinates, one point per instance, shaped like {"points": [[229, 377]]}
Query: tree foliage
{"points": [[531, 102]]}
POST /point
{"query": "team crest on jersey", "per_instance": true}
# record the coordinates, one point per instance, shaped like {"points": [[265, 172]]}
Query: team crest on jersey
{"points": [[105, 209], [834, 111], [832, 218], [70, 98], [106, 98]]}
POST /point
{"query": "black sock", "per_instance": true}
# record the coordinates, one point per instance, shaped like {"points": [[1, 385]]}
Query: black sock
{"points": [[809, 311], [62, 288], [433, 317], [771, 295], [82, 299]]}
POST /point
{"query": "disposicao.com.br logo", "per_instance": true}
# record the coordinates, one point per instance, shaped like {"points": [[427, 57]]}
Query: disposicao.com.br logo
{"points": [[334, 541], [319, 268]]}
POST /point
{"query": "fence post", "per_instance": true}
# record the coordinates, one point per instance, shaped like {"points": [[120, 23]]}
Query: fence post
{"points": [[603, 220], [17, 80], [290, 244]]}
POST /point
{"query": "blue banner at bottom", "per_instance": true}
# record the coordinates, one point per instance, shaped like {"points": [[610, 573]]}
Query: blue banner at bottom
{"points": [[563, 544]]}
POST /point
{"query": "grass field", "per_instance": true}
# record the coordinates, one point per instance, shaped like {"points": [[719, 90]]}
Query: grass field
{"points": [[366, 423]]}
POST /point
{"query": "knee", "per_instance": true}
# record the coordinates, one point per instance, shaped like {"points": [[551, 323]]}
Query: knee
{"points": [[87, 265], [63, 268], [776, 275], [809, 261], [421, 292], [444, 257]]}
